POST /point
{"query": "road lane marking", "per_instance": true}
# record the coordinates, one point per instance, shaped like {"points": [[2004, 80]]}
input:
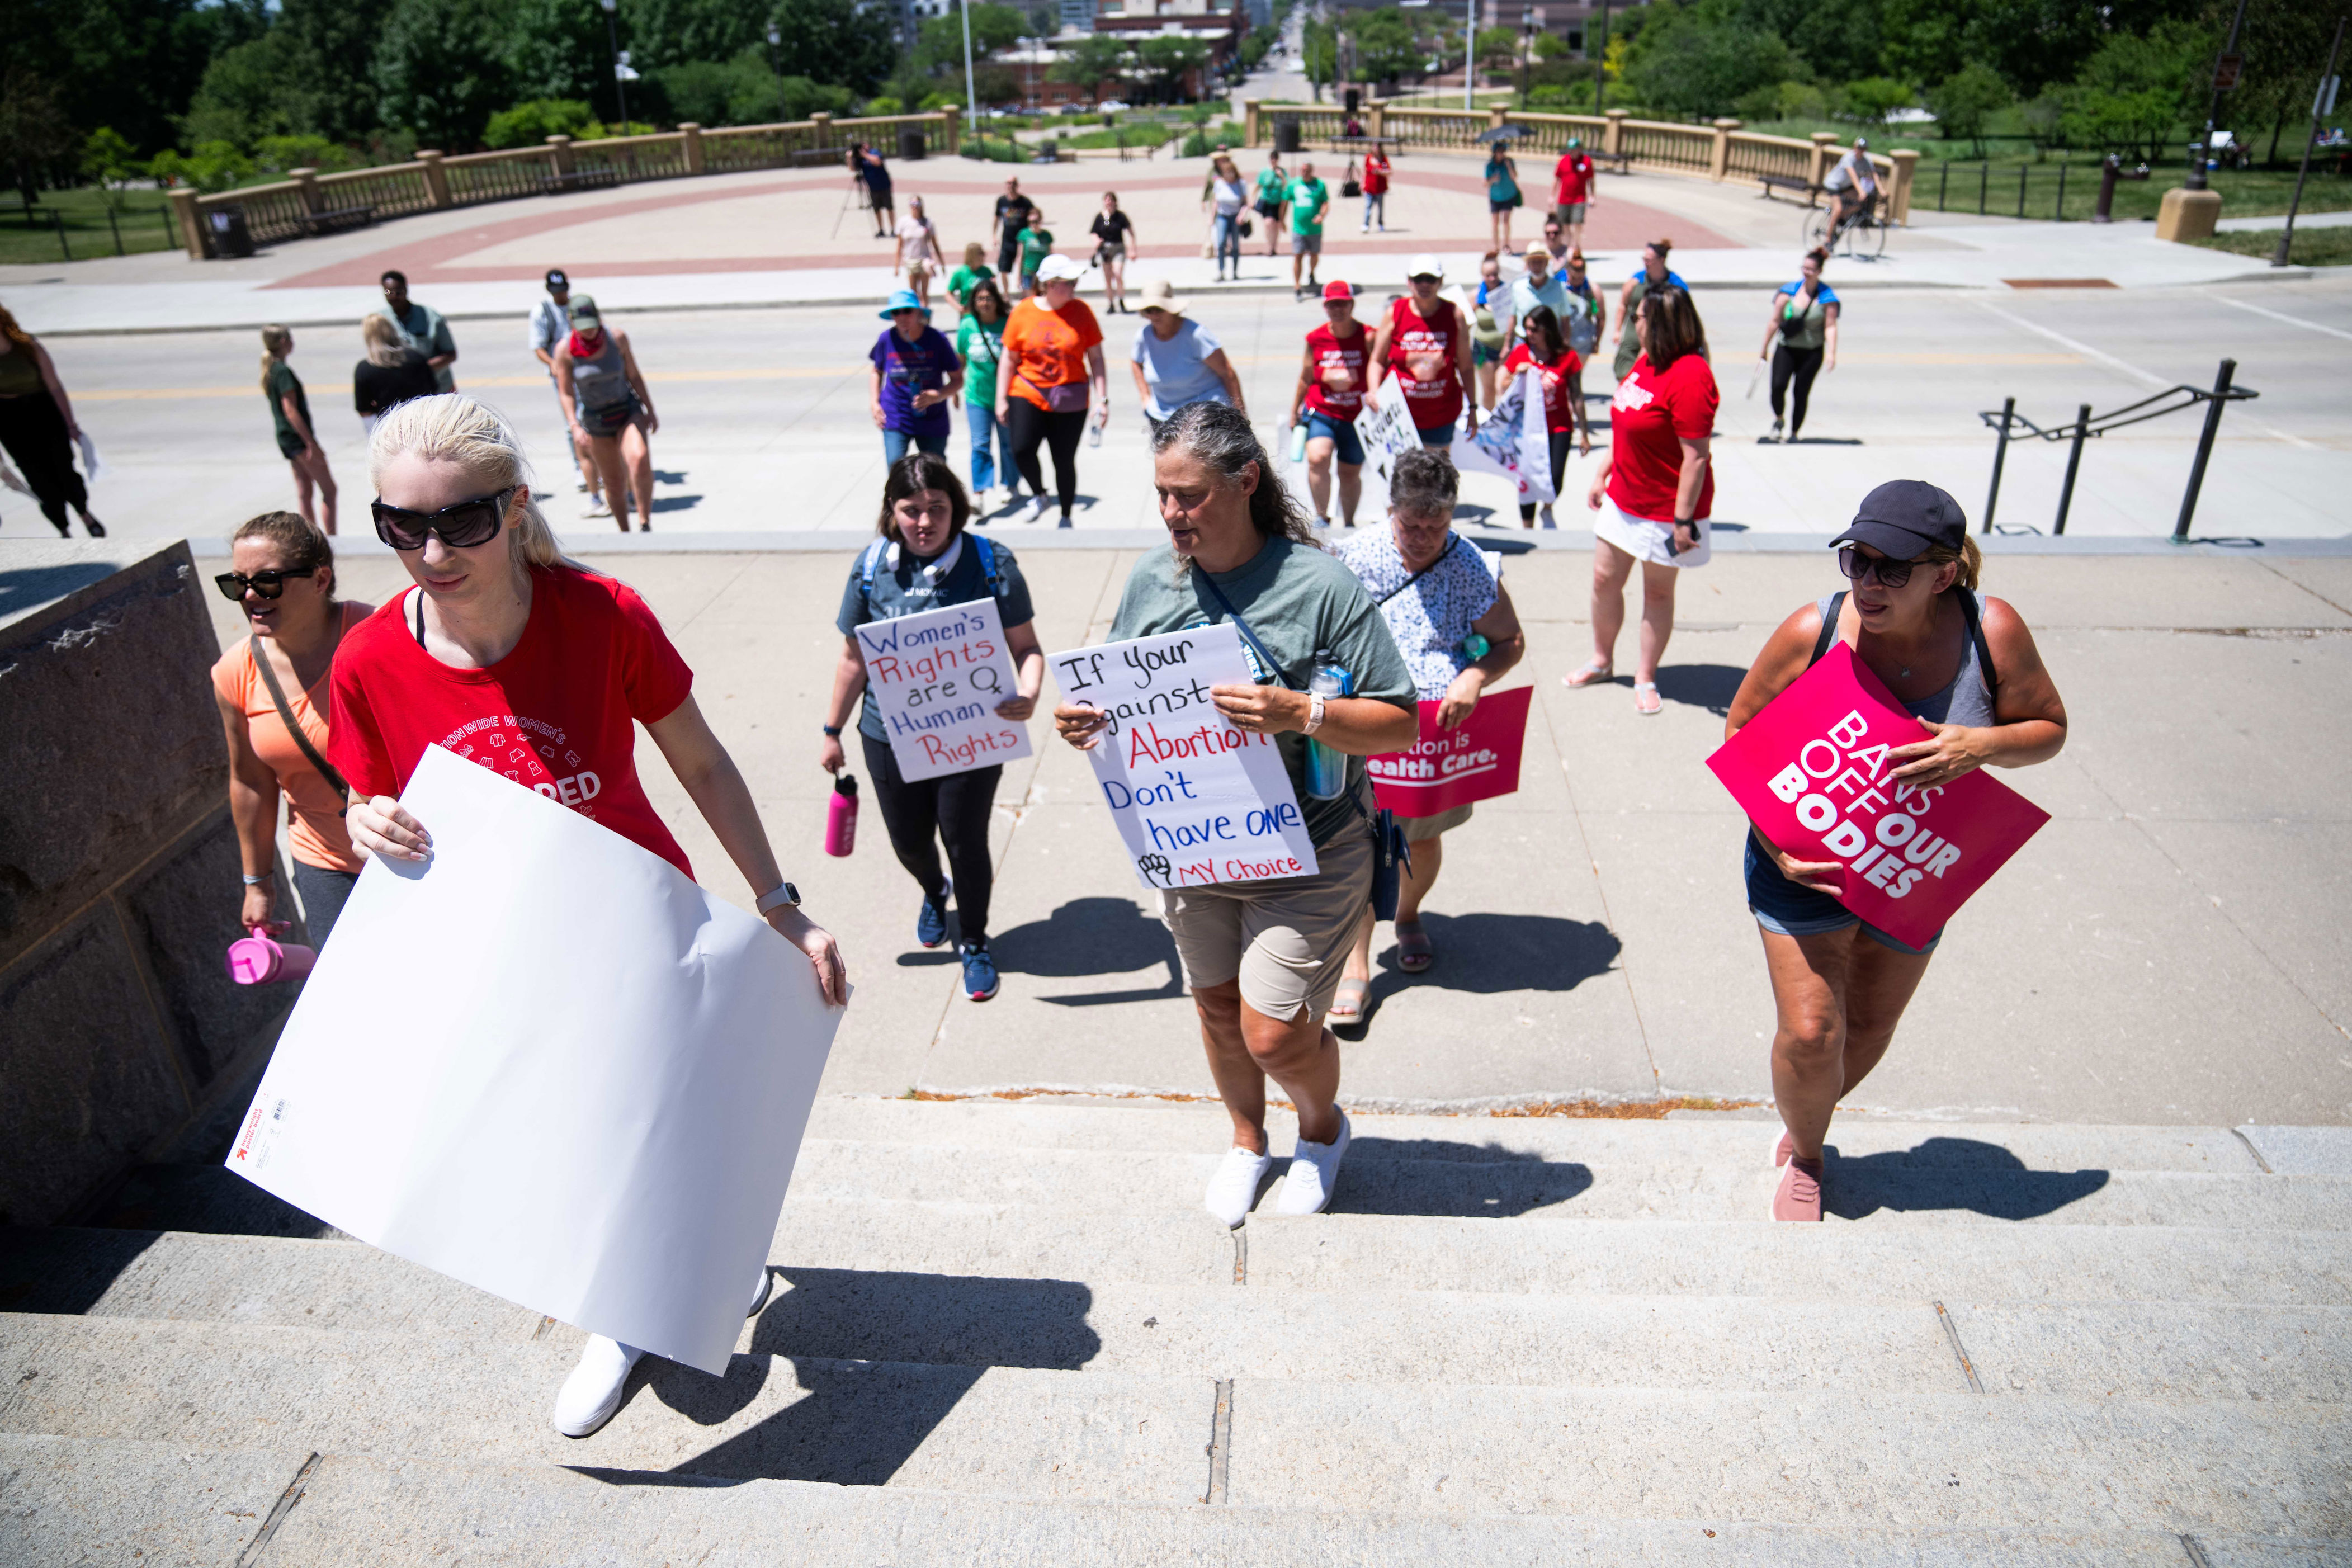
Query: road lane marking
{"points": [[126, 395], [2290, 321]]}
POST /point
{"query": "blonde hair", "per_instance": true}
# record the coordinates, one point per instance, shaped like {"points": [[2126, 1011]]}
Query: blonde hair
{"points": [[1970, 558], [382, 339], [12, 332], [276, 339], [451, 427], [973, 256], [305, 548]]}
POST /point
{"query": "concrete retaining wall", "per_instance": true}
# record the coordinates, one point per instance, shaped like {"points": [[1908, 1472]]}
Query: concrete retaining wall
{"points": [[118, 870]]}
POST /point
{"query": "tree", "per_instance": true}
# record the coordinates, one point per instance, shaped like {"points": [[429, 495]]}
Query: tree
{"points": [[1964, 100], [1701, 57], [1090, 61], [531, 122], [2134, 91], [113, 161], [1872, 99], [441, 71], [834, 41], [993, 27], [2286, 46], [1169, 59], [1318, 52], [1388, 46], [35, 134]]}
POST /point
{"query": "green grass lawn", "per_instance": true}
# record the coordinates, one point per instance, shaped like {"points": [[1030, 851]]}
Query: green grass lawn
{"points": [[143, 222], [1967, 187], [2313, 246]]}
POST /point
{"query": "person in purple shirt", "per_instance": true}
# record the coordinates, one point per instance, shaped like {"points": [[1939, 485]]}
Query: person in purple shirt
{"points": [[916, 375]]}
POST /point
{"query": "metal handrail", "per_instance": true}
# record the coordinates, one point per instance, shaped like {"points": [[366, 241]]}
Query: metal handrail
{"points": [[2086, 424]]}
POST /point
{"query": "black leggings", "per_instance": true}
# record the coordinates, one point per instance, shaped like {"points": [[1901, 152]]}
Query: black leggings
{"points": [[1560, 440], [1031, 427], [953, 807], [34, 433], [1804, 364]]}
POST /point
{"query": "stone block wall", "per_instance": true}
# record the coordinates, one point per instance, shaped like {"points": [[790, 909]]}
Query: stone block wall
{"points": [[118, 869]]}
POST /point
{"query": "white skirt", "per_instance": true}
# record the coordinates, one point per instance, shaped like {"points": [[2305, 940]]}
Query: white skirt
{"points": [[1646, 539]]}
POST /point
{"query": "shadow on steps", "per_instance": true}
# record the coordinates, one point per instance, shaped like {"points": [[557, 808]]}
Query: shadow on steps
{"points": [[1949, 1173], [1438, 1179]]}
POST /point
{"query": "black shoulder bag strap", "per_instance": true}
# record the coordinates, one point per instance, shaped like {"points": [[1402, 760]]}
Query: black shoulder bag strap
{"points": [[286, 711], [1241, 626], [1451, 540], [1829, 628], [1968, 613]]}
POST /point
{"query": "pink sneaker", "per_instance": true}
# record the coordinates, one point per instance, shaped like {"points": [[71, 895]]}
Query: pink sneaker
{"points": [[1782, 1149], [1800, 1198]]}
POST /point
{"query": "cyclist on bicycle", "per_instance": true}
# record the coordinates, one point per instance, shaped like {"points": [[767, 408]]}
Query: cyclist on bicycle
{"points": [[1854, 183]]}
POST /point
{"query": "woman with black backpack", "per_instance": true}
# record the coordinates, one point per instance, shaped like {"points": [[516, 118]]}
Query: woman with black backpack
{"points": [[1966, 666], [1803, 329]]}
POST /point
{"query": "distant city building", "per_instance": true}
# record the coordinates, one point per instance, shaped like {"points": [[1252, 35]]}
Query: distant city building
{"points": [[1078, 16], [1219, 28]]}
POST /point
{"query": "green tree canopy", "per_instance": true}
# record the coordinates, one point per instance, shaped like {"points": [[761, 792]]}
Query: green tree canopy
{"points": [[1702, 58]]}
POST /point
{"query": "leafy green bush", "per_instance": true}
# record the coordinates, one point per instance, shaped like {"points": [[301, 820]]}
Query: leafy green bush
{"points": [[277, 154], [885, 104], [531, 123], [212, 166], [1963, 101], [935, 101], [1872, 99]]}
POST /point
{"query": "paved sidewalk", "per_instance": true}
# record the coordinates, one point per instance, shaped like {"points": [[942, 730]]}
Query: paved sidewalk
{"points": [[777, 238], [2170, 949]]}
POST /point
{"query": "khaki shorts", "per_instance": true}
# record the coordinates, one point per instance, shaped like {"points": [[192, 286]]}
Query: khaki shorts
{"points": [[1286, 939], [1421, 829]]}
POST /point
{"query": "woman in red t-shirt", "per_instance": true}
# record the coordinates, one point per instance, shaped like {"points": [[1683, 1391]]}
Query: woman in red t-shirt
{"points": [[1426, 344], [1562, 374], [508, 655], [1329, 397], [1654, 488]]}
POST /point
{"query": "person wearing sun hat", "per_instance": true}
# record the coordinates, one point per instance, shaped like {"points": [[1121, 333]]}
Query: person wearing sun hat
{"points": [[1966, 666], [1177, 361], [916, 375], [1540, 286], [1425, 342]]}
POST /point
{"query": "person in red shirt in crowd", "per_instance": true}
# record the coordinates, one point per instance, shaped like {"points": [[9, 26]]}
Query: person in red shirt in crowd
{"points": [[1546, 351], [1572, 191], [512, 656], [1329, 395], [1426, 344], [1654, 488], [1376, 188]]}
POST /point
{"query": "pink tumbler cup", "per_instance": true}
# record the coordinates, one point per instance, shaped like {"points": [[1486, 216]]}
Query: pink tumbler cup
{"points": [[841, 817], [256, 960]]}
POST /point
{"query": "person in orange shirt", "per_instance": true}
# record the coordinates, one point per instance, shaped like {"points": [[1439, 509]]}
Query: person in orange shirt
{"points": [[272, 691], [1053, 367]]}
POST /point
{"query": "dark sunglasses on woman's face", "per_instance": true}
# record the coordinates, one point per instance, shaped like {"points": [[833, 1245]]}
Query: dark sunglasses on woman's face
{"points": [[461, 527], [269, 585], [1861, 568]]}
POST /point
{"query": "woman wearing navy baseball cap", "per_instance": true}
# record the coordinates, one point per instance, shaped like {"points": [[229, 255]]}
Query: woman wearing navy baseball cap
{"points": [[1966, 666]]}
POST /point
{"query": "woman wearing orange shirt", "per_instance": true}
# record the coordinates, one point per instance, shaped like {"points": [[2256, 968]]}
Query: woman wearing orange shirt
{"points": [[283, 572], [1053, 365]]}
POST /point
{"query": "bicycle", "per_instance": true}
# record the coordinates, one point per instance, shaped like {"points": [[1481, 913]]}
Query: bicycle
{"points": [[1864, 235]]}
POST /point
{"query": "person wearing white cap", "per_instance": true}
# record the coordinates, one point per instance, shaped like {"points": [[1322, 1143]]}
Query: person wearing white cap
{"points": [[1177, 361], [1053, 367], [1426, 344]]}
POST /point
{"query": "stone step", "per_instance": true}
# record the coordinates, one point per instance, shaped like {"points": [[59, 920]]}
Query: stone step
{"points": [[1907, 1462], [1164, 1127], [76, 1500], [1397, 1180], [2149, 1350]]}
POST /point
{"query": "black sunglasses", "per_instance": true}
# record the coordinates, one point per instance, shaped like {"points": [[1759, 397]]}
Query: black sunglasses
{"points": [[269, 585], [461, 527], [1861, 568]]}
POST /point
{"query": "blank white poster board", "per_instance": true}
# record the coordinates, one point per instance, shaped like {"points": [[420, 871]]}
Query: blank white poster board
{"points": [[547, 1063]]}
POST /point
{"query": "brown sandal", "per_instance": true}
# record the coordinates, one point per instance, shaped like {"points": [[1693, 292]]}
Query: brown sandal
{"points": [[1347, 1004]]}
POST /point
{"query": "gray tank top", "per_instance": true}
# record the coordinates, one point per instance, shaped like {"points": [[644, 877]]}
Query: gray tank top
{"points": [[599, 379], [1966, 702]]}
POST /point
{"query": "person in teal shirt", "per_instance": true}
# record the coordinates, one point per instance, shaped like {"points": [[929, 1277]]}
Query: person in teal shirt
{"points": [[1310, 200], [1036, 241], [1273, 190]]}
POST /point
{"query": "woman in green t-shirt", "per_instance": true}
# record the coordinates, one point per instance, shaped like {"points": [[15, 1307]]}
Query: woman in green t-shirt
{"points": [[980, 343], [974, 271], [298, 439], [1264, 958], [1036, 243]]}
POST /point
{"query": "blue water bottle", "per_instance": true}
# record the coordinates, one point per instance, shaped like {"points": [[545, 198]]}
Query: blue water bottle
{"points": [[1327, 770]]}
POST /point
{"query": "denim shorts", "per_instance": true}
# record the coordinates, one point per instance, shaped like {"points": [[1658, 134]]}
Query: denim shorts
{"points": [[1782, 907], [1438, 438], [1345, 445]]}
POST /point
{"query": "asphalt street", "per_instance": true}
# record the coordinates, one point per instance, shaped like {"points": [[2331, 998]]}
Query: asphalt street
{"points": [[765, 422]]}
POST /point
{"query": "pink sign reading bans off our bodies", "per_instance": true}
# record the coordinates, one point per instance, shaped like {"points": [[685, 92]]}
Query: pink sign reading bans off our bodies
{"points": [[1812, 774], [1477, 759]]}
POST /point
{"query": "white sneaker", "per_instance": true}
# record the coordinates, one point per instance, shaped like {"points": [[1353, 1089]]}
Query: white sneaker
{"points": [[592, 1392], [1234, 1188], [1543, 513], [1314, 1172], [599, 507], [1037, 512], [760, 1297]]}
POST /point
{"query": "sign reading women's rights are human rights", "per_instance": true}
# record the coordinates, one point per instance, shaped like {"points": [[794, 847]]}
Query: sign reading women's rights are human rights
{"points": [[1195, 799], [937, 677]]}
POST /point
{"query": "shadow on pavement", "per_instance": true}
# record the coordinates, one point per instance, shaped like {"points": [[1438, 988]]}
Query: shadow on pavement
{"points": [[880, 1359], [27, 586], [1091, 936], [1709, 686], [1488, 955], [1951, 1174], [676, 503], [1439, 1179]]}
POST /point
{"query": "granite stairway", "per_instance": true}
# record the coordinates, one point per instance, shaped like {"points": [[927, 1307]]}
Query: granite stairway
{"points": [[1005, 1333]]}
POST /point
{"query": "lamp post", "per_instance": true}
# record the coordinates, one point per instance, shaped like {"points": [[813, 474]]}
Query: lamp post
{"points": [[776, 58], [612, 36], [1527, 48], [970, 87], [1469, 50], [2323, 103], [1599, 57]]}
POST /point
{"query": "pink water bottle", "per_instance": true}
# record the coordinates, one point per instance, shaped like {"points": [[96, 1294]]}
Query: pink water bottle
{"points": [[841, 817], [256, 960]]}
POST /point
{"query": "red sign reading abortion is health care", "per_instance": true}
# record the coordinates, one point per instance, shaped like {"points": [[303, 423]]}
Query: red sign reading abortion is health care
{"points": [[1811, 772], [1477, 759]]}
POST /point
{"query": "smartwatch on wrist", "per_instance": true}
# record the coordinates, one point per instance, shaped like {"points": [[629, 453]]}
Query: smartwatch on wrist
{"points": [[782, 896], [1313, 712], [832, 729]]}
